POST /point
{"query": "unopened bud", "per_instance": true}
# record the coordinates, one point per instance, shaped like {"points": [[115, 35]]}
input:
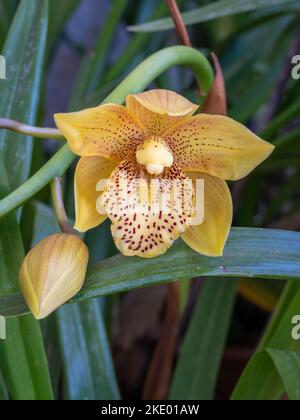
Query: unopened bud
{"points": [[53, 273]]}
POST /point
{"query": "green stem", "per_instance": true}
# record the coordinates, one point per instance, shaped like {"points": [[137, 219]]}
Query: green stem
{"points": [[59, 207], [136, 82]]}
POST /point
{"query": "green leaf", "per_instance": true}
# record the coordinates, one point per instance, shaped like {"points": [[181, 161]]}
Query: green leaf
{"points": [[290, 291], [87, 361], [265, 253], [3, 390], [22, 356], [271, 371], [24, 53], [287, 364], [209, 12], [200, 357]]}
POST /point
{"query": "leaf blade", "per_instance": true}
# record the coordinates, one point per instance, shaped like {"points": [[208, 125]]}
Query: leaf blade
{"points": [[266, 253], [209, 12], [197, 369], [24, 53]]}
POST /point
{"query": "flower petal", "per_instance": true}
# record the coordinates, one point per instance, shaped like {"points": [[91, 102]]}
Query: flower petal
{"points": [[217, 145], [160, 109], [210, 237], [89, 171], [140, 226], [109, 131]]}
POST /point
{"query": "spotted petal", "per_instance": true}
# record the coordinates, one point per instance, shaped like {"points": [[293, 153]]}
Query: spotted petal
{"points": [[89, 172], [109, 131], [160, 109], [147, 217], [210, 237], [218, 146]]}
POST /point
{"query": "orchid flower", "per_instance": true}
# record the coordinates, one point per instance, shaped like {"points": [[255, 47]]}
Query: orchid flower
{"points": [[158, 136]]}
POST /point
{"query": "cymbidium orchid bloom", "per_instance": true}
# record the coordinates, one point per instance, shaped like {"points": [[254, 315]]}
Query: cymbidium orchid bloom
{"points": [[157, 136]]}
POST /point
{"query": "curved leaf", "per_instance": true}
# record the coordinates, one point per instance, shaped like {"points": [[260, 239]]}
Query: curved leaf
{"points": [[88, 365], [22, 355], [275, 368], [210, 12], [260, 253]]}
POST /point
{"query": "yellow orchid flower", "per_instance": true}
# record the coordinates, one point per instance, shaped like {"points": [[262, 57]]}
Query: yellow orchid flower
{"points": [[156, 135]]}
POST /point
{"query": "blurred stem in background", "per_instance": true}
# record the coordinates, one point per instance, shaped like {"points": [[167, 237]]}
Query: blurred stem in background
{"points": [[59, 207]]}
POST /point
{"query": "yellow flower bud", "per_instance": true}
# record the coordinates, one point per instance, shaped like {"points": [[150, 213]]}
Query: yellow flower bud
{"points": [[53, 273]]}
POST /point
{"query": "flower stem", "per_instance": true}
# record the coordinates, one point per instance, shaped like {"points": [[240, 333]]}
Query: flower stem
{"points": [[179, 23], [59, 207], [136, 82], [29, 130]]}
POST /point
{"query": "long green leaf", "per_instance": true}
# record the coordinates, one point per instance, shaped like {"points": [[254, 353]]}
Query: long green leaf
{"points": [[3, 390], [87, 360], [6, 14], [268, 374], [197, 369], [24, 53], [22, 356], [287, 364], [290, 291], [281, 369], [210, 12], [260, 253], [277, 366]]}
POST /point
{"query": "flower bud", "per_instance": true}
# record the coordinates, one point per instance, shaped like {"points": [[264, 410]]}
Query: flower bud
{"points": [[53, 272]]}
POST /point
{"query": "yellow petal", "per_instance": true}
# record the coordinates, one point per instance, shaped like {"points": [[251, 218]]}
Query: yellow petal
{"points": [[89, 171], [141, 225], [109, 131], [210, 237], [217, 145], [160, 109], [53, 272]]}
